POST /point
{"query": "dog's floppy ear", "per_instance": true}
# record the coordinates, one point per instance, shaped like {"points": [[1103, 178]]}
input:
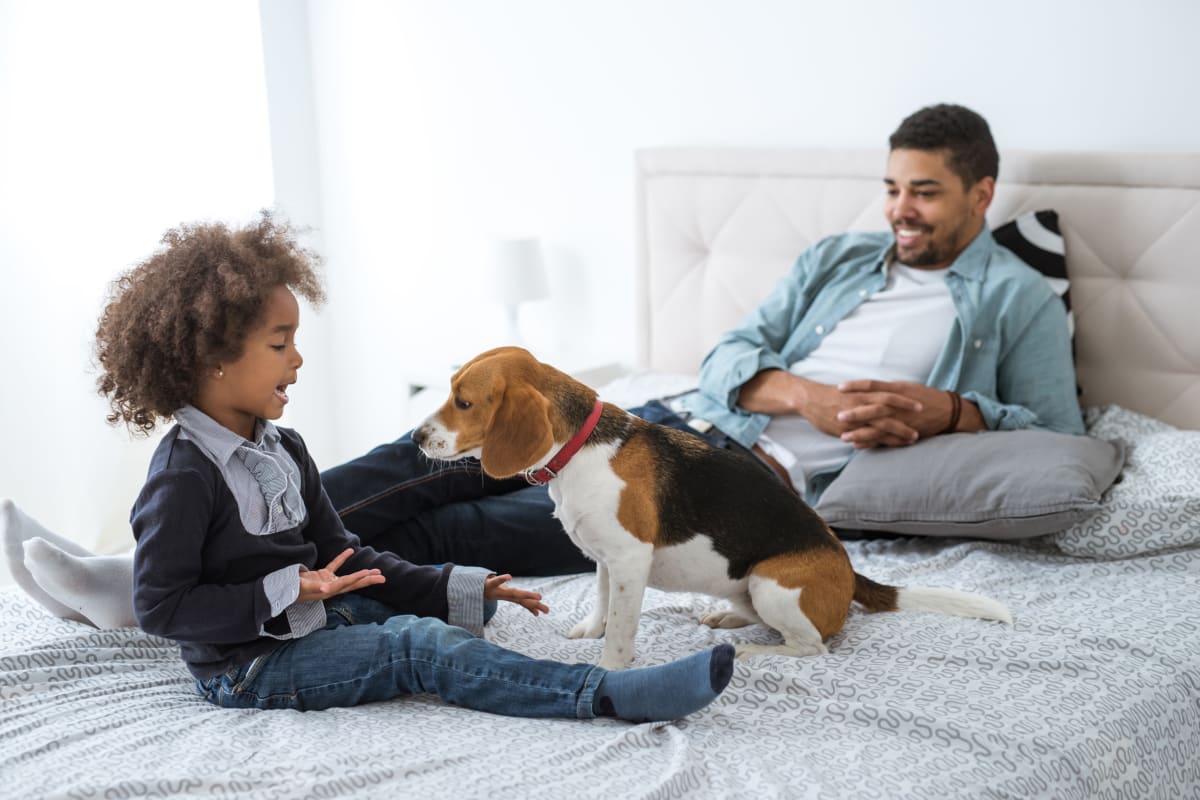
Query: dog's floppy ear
{"points": [[519, 432]]}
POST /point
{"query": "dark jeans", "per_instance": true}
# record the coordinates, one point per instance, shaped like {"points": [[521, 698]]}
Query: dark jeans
{"points": [[396, 499]]}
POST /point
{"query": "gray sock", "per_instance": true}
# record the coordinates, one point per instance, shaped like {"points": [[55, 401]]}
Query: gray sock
{"points": [[668, 691]]}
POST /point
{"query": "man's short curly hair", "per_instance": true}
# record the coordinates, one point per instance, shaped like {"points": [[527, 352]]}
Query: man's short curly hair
{"points": [[189, 307], [960, 131]]}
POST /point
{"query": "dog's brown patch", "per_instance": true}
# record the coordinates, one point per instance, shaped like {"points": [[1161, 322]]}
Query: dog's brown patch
{"points": [[638, 507], [825, 580]]}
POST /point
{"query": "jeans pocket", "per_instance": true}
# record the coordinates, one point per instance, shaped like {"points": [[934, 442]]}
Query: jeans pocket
{"points": [[338, 614]]}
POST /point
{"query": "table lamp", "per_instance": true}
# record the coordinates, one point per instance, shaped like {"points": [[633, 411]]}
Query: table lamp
{"points": [[516, 274]]}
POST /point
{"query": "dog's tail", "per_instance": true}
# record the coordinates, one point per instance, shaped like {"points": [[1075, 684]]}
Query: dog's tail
{"points": [[878, 597]]}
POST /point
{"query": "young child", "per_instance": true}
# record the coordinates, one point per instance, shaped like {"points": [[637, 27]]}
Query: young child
{"points": [[240, 557]]}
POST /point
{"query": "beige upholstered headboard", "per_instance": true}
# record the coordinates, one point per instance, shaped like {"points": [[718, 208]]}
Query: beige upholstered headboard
{"points": [[718, 227]]}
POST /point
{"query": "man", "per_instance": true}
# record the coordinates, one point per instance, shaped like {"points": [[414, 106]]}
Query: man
{"points": [[883, 339], [871, 340]]}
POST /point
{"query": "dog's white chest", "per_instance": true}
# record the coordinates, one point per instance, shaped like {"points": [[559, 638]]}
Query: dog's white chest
{"points": [[586, 497]]}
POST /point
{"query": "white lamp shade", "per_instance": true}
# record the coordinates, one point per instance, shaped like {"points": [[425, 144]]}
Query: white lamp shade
{"points": [[516, 272]]}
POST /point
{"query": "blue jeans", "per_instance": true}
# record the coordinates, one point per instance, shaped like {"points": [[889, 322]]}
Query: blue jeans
{"points": [[395, 499], [365, 654]]}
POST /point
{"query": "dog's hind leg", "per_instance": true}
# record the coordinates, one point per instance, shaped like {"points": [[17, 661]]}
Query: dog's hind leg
{"points": [[779, 608], [805, 596], [741, 615]]}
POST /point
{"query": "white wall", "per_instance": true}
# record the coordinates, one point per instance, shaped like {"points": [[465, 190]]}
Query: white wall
{"points": [[439, 123], [117, 121]]}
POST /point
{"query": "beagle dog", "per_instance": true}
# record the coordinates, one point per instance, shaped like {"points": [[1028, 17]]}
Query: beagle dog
{"points": [[659, 507]]}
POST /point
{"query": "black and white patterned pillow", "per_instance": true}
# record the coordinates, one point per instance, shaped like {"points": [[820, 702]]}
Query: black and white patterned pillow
{"points": [[1036, 239]]}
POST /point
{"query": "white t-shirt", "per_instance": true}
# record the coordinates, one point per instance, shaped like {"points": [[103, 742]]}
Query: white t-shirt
{"points": [[894, 335]]}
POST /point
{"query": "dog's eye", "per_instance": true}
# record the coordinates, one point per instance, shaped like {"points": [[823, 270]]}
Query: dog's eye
{"points": [[462, 404]]}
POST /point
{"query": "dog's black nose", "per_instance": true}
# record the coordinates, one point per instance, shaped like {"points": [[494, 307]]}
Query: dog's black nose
{"points": [[419, 436]]}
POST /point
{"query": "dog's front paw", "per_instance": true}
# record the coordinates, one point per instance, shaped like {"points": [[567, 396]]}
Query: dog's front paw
{"points": [[590, 628]]}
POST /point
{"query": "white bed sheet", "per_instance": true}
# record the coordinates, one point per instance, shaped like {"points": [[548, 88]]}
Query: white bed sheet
{"points": [[1093, 692]]}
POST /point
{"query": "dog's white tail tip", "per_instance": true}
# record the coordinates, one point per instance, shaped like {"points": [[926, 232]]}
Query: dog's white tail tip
{"points": [[949, 601]]}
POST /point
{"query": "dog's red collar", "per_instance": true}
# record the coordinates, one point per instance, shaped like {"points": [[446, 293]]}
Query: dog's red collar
{"points": [[538, 477]]}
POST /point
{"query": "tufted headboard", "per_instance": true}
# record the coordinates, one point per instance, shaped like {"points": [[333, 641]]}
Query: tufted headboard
{"points": [[718, 227]]}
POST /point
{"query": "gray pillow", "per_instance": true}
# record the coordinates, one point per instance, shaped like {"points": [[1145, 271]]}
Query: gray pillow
{"points": [[990, 485]]}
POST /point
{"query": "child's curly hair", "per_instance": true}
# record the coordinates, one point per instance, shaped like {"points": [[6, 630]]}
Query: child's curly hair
{"points": [[190, 306]]}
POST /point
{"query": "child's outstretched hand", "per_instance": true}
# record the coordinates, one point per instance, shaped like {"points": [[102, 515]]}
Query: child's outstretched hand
{"points": [[319, 584], [494, 588]]}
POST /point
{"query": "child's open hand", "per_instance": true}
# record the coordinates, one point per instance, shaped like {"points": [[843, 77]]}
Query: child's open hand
{"points": [[494, 588], [319, 584]]}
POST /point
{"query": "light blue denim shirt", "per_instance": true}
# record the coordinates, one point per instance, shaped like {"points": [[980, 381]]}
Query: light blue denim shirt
{"points": [[1009, 351]]}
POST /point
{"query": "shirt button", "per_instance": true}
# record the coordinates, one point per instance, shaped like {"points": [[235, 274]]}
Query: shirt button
{"points": [[978, 343], [862, 292], [820, 329]]}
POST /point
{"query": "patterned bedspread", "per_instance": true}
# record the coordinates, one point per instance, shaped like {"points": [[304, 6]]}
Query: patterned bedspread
{"points": [[1093, 692]]}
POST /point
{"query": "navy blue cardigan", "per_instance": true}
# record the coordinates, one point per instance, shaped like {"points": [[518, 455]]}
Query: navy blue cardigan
{"points": [[198, 574]]}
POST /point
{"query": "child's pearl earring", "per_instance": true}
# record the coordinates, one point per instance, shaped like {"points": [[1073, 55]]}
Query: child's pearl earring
{"points": [[220, 373]]}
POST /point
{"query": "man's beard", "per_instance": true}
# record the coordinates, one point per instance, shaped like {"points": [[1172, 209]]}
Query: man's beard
{"points": [[933, 253]]}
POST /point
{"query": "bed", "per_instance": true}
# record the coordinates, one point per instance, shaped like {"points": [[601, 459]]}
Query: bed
{"points": [[1092, 692]]}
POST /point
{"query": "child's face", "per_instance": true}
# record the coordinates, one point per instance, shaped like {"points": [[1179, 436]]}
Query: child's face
{"points": [[255, 385]]}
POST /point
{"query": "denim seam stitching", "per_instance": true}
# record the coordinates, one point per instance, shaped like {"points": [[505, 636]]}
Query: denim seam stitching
{"points": [[401, 486]]}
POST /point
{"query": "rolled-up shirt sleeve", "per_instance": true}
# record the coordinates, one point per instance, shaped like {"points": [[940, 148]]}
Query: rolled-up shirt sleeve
{"points": [[282, 588], [464, 595]]}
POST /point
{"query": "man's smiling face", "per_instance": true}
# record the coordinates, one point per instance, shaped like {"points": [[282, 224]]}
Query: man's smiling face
{"points": [[933, 216]]}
